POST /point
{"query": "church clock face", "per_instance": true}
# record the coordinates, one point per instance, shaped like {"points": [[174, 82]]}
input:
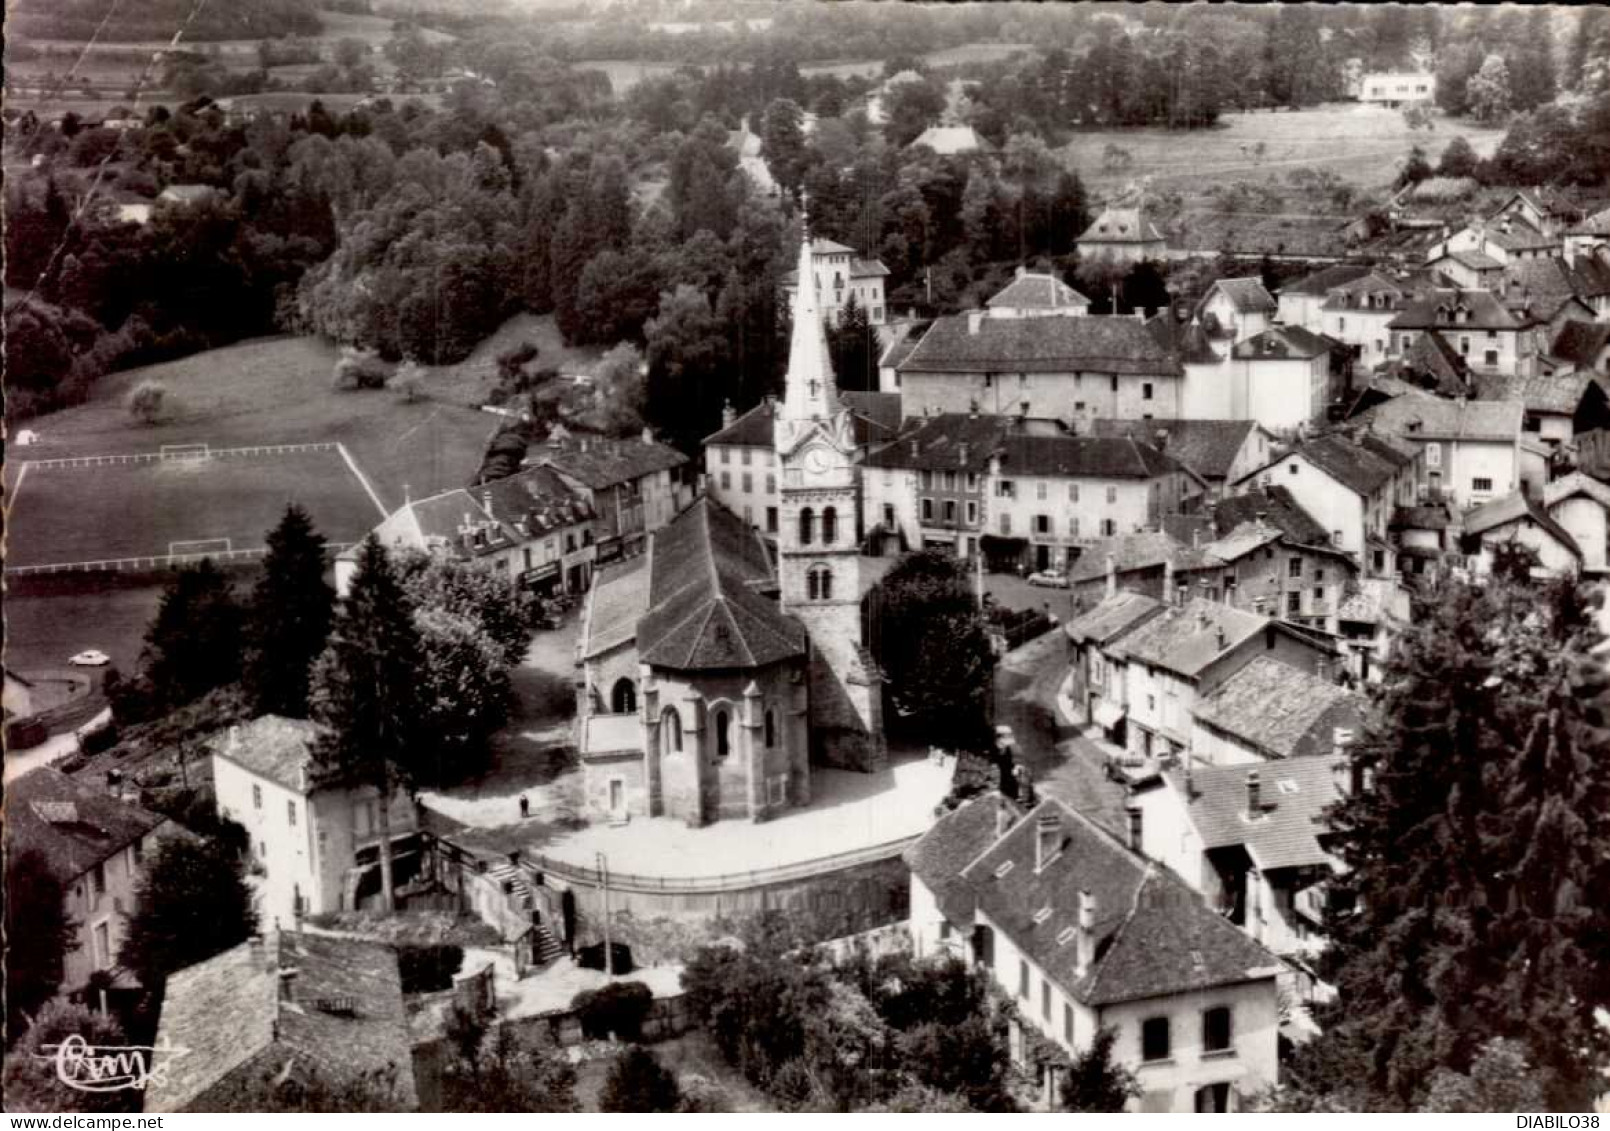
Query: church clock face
{"points": [[817, 461]]}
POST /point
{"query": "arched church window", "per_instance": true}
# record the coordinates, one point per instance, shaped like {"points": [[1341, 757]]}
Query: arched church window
{"points": [[671, 730], [723, 734], [819, 583], [807, 526], [623, 697], [771, 728], [830, 525]]}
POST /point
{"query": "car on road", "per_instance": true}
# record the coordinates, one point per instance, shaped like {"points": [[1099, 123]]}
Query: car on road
{"points": [[90, 658], [1130, 768], [1049, 578]]}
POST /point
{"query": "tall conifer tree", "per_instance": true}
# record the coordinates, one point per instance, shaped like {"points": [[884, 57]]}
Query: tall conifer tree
{"points": [[290, 616]]}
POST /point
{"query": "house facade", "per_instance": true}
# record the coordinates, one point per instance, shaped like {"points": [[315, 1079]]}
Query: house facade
{"points": [[1519, 521], [1470, 450], [1123, 235], [840, 276], [1082, 933], [94, 846], [1580, 505], [316, 840], [1243, 308], [632, 486], [1281, 378], [1395, 88]]}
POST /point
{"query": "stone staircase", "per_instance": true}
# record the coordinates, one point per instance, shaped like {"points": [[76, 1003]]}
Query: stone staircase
{"points": [[547, 947]]}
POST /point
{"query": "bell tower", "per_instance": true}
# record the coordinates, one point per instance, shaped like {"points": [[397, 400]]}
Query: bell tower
{"points": [[819, 539]]}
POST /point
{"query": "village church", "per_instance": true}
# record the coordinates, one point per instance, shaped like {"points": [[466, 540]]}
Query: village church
{"points": [[712, 676]]}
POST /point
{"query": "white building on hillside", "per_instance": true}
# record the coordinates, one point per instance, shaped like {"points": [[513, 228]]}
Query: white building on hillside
{"points": [[1394, 88], [840, 276]]}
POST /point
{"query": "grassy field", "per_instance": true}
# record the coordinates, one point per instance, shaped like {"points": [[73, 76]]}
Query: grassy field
{"points": [[469, 381], [1362, 144], [45, 624], [133, 510], [278, 391]]}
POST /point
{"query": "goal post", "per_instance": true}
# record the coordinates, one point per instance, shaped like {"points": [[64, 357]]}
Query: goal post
{"points": [[199, 546], [185, 451]]}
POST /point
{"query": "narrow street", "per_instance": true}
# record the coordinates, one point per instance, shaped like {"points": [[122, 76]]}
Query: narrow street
{"points": [[1065, 765]]}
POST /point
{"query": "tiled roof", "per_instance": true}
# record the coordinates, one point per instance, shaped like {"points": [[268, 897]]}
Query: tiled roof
{"points": [[1436, 309], [1098, 343], [1278, 710], [1248, 295], [880, 410], [1206, 447], [1082, 457], [1431, 359], [455, 519], [1112, 617], [1191, 342], [1279, 508], [953, 842], [1188, 638], [275, 748], [1517, 507], [287, 1004], [1121, 225], [605, 463], [535, 501], [1362, 464], [1559, 394], [1580, 343], [1576, 483], [1596, 225], [1243, 540], [870, 418], [1358, 292], [1130, 552], [1422, 416], [1373, 600], [1153, 935], [1293, 796], [1322, 281], [1549, 282], [1474, 260], [1279, 343], [615, 603], [1516, 234], [1037, 292], [704, 609], [72, 824], [951, 441]]}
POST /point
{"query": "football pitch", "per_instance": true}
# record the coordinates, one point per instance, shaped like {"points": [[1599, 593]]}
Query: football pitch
{"points": [[179, 503]]}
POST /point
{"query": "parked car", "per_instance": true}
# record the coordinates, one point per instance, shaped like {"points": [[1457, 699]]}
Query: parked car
{"points": [[90, 658], [1050, 578], [1131, 768]]}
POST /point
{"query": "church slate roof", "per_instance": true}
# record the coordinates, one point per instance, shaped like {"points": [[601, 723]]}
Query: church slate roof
{"points": [[705, 611], [869, 419]]}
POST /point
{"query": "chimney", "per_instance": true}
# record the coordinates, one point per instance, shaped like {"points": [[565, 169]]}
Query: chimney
{"points": [[648, 435], [974, 317], [961, 453], [1168, 580], [1136, 826], [728, 414], [916, 449], [486, 505], [1254, 794], [1025, 784], [1085, 938], [1162, 439], [1021, 271], [1222, 640], [1047, 839], [1202, 619], [1112, 576]]}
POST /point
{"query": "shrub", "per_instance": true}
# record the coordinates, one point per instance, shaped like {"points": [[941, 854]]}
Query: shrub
{"points": [[361, 369], [146, 401], [428, 967], [617, 1009], [637, 1081]]}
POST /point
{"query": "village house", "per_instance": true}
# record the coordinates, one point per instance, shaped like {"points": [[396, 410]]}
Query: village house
{"points": [[1557, 406], [1520, 522], [1301, 301], [1123, 235], [315, 839], [1580, 504], [186, 196], [1589, 239], [1153, 562], [1351, 484], [929, 489], [1035, 295], [1082, 932], [1359, 312], [1251, 839], [1543, 207], [633, 486], [1507, 239], [1173, 660], [93, 846], [1096, 688], [1216, 452], [1070, 369], [1367, 623], [285, 1010], [1284, 378], [529, 526], [1469, 270], [948, 141], [1269, 711], [1557, 290], [840, 275], [1394, 88], [1428, 363], [1239, 308], [1583, 346], [740, 461], [1471, 450], [1046, 495]]}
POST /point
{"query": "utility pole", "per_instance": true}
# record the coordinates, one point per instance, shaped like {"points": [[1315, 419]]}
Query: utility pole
{"points": [[609, 951]]}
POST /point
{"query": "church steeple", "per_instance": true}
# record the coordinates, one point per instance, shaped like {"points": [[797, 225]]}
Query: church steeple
{"points": [[810, 392]]}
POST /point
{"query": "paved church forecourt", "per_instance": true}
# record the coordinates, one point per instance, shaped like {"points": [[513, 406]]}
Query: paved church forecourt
{"points": [[849, 811]]}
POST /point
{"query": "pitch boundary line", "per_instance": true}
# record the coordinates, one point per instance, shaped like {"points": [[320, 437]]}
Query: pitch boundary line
{"points": [[154, 561], [363, 480], [163, 457]]}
